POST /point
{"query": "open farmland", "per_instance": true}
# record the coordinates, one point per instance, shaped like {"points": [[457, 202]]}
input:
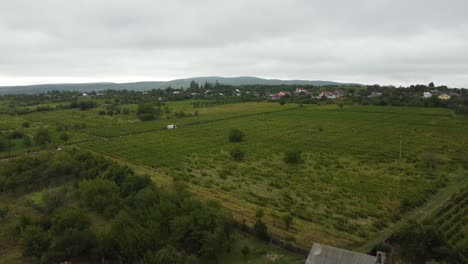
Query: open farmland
{"points": [[114, 126], [350, 185]]}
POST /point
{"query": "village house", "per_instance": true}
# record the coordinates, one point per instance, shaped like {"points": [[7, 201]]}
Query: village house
{"points": [[277, 96], [323, 254], [443, 96], [338, 94], [301, 91]]}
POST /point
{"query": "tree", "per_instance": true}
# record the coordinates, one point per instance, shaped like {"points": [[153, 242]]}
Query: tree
{"points": [[235, 135], [288, 220], [341, 104], [282, 101], [42, 137], [237, 154], [25, 124], [100, 194], [34, 241], [145, 112], [431, 85], [292, 156]]}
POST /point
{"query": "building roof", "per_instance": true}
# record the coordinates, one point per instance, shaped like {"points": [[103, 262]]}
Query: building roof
{"points": [[323, 254]]}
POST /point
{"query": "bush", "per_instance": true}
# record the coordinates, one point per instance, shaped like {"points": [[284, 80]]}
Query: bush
{"points": [[16, 134], [293, 156], [236, 135], [261, 230], [25, 124], [34, 241], [288, 220], [42, 137], [100, 194], [237, 154]]}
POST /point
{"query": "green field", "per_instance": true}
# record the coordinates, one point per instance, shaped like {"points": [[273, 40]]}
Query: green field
{"points": [[350, 186]]}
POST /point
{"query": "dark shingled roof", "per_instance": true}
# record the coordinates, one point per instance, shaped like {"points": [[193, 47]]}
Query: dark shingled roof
{"points": [[322, 254]]}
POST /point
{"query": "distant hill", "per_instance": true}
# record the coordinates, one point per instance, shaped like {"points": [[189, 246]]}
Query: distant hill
{"points": [[143, 86]]}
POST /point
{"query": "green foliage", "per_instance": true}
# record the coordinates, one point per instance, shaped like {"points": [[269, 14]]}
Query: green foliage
{"points": [[25, 124], [30, 173], [293, 156], [237, 154], [34, 241], [236, 135], [64, 136], [430, 159], [101, 195], [282, 100], [261, 229], [146, 112], [259, 213], [52, 200], [149, 226], [42, 137], [27, 141], [421, 243], [288, 221], [68, 218]]}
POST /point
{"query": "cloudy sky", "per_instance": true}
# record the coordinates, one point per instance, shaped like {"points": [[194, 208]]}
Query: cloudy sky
{"points": [[396, 42]]}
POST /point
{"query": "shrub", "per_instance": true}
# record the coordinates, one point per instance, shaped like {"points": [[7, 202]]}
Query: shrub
{"points": [[237, 154], [261, 230], [236, 135], [293, 156], [288, 220], [42, 137], [25, 124], [34, 241]]}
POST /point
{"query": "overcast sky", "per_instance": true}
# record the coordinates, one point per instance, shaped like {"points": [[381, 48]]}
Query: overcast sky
{"points": [[396, 42]]}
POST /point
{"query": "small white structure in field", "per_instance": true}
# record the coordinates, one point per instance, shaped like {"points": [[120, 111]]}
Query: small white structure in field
{"points": [[171, 126], [59, 149], [84, 94]]}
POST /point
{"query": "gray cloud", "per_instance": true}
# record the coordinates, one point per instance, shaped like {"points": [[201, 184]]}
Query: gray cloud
{"points": [[368, 41]]}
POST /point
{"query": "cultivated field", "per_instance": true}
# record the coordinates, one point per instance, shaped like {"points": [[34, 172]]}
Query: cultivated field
{"points": [[350, 185]]}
